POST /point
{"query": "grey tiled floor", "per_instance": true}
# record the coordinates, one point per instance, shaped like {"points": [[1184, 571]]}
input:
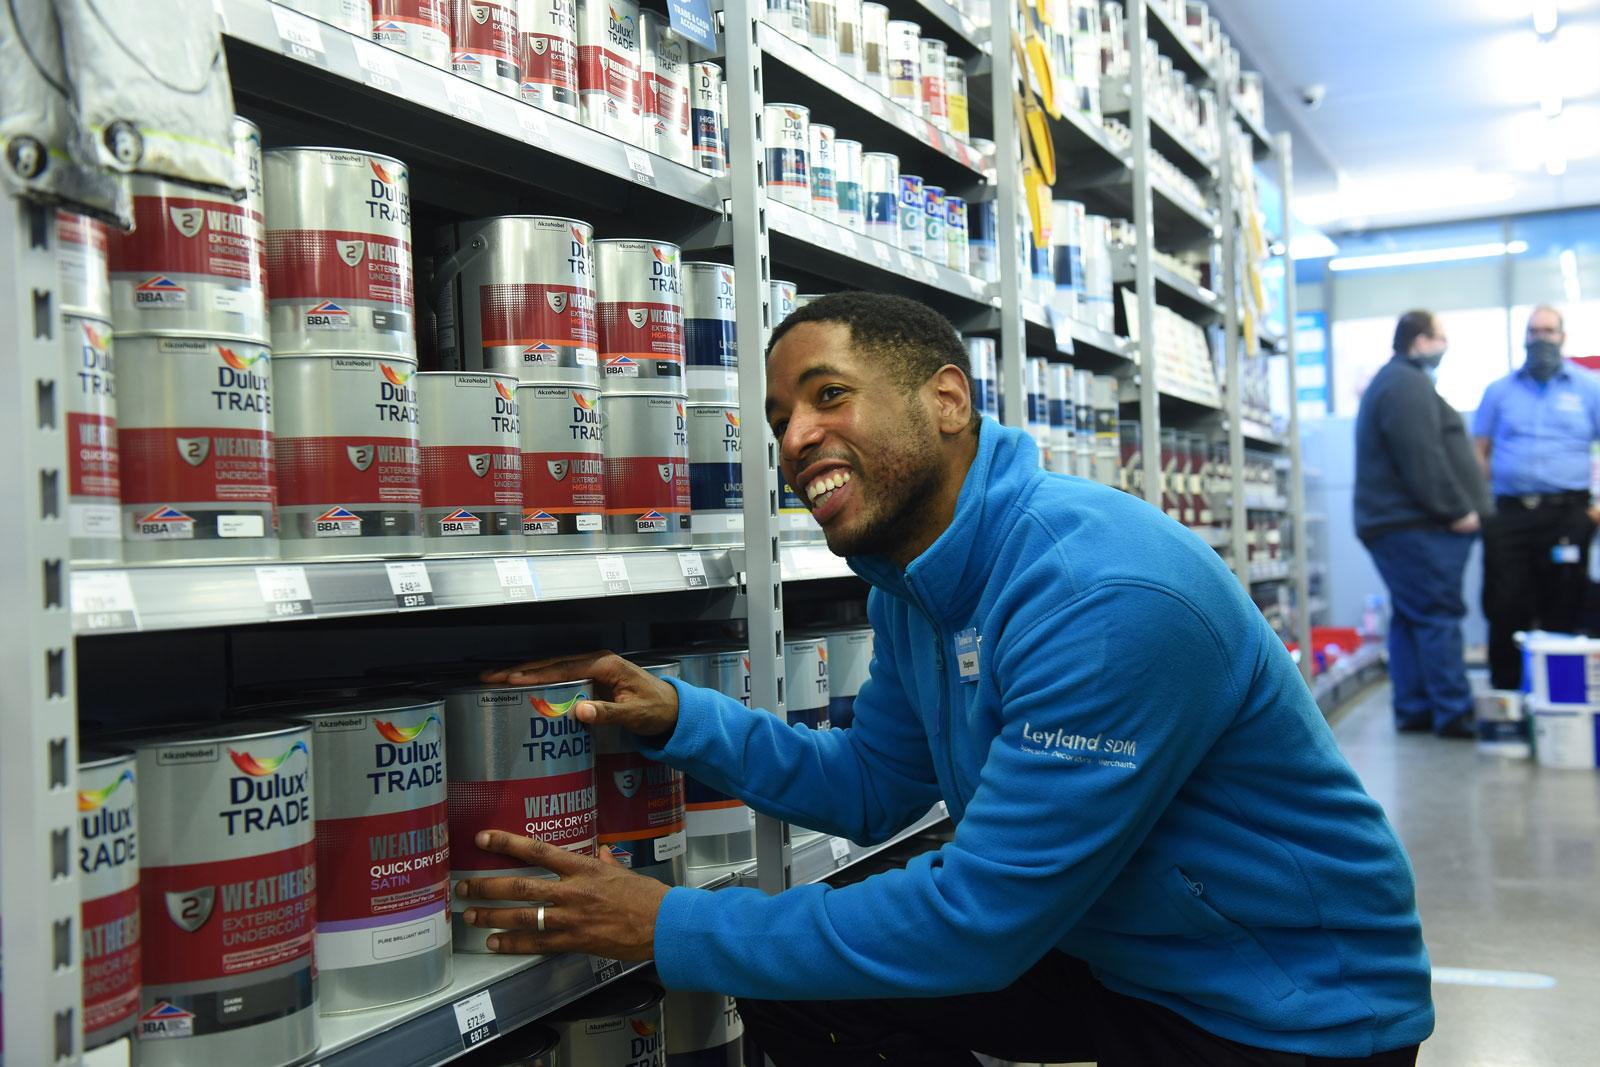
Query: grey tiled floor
{"points": [[1507, 856]]}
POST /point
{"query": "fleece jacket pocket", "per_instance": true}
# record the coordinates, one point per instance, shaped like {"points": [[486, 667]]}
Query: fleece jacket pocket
{"points": [[1188, 896]]}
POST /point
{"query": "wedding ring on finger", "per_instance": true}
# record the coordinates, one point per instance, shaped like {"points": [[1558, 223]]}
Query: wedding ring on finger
{"points": [[538, 918]]}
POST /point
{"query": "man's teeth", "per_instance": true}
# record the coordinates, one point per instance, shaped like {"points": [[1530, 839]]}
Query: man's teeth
{"points": [[819, 490]]}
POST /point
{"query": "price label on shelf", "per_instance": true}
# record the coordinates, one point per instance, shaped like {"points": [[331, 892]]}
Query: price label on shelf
{"points": [[604, 969], [644, 172], [840, 849], [103, 600], [880, 251], [475, 1018], [614, 574], [379, 65], [694, 570], [517, 580], [409, 581], [285, 591], [463, 98], [299, 36], [535, 129]]}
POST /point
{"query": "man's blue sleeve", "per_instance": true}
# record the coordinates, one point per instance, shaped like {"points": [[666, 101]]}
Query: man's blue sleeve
{"points": [[1487, 417], [1020, 872]]}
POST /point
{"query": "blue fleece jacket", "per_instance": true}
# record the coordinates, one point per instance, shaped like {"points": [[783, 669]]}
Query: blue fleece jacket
{"points": [[1137, 774]]}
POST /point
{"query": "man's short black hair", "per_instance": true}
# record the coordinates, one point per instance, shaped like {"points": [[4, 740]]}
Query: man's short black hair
{"points": [[1412, 325], [911, 338]]}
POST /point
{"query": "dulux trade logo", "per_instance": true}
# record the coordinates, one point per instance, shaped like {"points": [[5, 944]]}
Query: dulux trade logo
{"points": [[260, 768], [95, 799], [555, 711], [402, 734], [238, 362]]}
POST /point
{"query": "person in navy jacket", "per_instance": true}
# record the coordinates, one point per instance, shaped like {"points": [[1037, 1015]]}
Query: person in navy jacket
{"points": [[1160, 855]]}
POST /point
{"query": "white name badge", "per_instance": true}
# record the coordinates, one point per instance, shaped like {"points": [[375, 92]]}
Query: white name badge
{"points": [[967, 642]]}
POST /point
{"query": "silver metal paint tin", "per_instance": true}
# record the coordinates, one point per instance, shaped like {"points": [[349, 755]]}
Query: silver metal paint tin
{"points": [[339, 252], [716, 479], [82, 249], [516, 293], [419, 28], [228, 884], [471, 438], [851, 49], [805, 670], [1083, 423], [1036, 392], [383, 854], [875, 46], [823, 32], [194, 436], [108, 891], [648, 501], [710, 341], [913, 220], [847, 189], [1058, 403], [703, 1030], [706, 119], [549, 31], [563, 467], [517, 761], [1107, 445], [609, 97], [781, 297], [664, 83], [640, 316], [985, 376], [849, 667], [795, 524], [349, 465], [94, 481], [931, 75], [955, 234], [721, 828], [821, 165], [787, 130], [349, 15], [486, 44], [619, 1025], [641, 802], [880, 196], [904, 65]]}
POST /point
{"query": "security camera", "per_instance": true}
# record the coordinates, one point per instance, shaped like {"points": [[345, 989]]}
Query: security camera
{"points": [[1311, 96]]}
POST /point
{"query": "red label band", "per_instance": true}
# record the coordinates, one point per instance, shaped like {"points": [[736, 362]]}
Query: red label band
{"points": [[531, 315], [376, 865], [345, 470], [635, 483], [617, 77], [666, 100], [638, 797], [558, 809], [495, 36], [196, 464], [554, 64], [461, 476], [339, 265], [110, 959], [72, 228], [651, 330], [563, 482], [205, 921], [431, 13], [183, 235], [92, 456]]}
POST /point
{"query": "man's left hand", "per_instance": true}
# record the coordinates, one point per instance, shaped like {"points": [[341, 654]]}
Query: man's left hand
{"points": [[596, 906], [1594, 514]]}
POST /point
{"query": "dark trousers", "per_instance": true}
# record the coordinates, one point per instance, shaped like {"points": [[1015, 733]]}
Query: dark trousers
{"points": [[1524, 586], [1055, 1013], [1423, 569]]}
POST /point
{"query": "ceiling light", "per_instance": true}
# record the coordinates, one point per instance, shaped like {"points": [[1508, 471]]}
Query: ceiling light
{"points": [[1312, 244], [1382, 260], [1405, 194], [1545, 14]]}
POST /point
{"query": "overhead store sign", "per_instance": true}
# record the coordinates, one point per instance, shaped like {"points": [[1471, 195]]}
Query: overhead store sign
{"points": [[692, 18]]}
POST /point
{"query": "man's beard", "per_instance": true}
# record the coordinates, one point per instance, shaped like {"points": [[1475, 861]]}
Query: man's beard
{"points": [[901, 488]]}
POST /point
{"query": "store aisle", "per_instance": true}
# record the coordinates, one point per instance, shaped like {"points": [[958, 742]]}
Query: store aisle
{"points": [[1507, 856]]}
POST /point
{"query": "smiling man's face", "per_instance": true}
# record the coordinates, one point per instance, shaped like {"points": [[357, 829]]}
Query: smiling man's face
{"points": [[858, 446]]}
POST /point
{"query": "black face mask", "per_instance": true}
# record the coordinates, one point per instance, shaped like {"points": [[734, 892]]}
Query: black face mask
{"points": [[1544, 360], [1427, 363]]}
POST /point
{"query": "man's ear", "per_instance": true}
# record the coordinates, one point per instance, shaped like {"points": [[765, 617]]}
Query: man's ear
{"points": [[952, 396]]}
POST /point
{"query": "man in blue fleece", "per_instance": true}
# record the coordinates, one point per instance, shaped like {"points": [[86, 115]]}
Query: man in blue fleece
{"points": [[1160, 855]]}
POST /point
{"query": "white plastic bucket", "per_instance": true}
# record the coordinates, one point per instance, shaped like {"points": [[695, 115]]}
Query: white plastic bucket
{"points": [[1560, 669], [1566, 737]]}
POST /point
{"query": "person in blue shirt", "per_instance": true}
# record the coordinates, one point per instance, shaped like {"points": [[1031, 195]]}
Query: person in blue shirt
{"points": [[1160, 855], [1534, 430]]}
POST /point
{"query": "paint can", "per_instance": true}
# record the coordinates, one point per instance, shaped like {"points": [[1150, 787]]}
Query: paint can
{"points": [[419, 28], [563, 467], [703, 1030], [383, 854], [1107, 456], [984, 374], [823, 19], [711, 347], [788, 139], [880, 187], [721, 828], [955, 234], [108, 889], [1565, 737], [516, 760], [1502, 727], [789, 17], [664, 83], [82, 252], [194, 437], [847, 191], [1100, 310], [349, 15], [618, 1025], [1035, 391], [904, 66], [820, 164], [705, 120], [196, 261], [1083, 423], [646, 471], [227, 887], [526, 1046], [609, 97], [1059, 414], [641, 818], [781, 297], [640, 316], [486, 44], [913, 223], [94, 483], [339, 252], [935, 105], [851, 50], [349, 477], [955, 92], [983, 251], [875, 46], [550, 55], [470, 432], [933, 238], [517, 294], [805, 672], [1066, 257], [795, 524], [716, 476], [849, 666]]}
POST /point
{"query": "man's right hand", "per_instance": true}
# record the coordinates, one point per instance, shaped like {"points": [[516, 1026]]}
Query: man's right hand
{"points": [[1467, 524], [638, 700]]}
